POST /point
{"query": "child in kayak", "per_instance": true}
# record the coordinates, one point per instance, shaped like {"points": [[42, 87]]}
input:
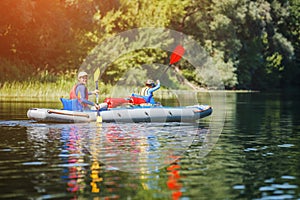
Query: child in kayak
{"points": [[80, 92], [147, 91]]}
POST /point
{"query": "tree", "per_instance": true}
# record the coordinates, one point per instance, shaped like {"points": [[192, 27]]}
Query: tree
{"points": [[129, 16], [250, 35], [209, 24], [253, 43]]}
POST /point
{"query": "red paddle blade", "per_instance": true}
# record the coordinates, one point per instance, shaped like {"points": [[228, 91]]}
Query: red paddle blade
{"points": [[177, 54]]}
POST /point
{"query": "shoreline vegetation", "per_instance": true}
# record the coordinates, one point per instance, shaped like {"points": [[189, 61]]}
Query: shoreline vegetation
{"points": [[50, 87], [248, 45]]}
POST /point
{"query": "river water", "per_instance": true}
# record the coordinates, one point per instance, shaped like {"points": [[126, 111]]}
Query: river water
{"points": [[250, 152]]}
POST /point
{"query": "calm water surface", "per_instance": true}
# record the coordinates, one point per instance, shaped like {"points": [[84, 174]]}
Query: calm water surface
{"points": [[257, 155]]}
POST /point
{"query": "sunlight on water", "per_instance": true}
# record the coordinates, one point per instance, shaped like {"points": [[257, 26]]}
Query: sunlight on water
{"points": [[255, 157], [77, 151]]}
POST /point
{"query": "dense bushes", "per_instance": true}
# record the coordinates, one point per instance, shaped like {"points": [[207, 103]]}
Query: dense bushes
{"points": [[254, 43]]}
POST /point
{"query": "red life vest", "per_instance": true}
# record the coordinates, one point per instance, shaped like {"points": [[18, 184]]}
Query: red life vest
{"points": [[74, 96]]}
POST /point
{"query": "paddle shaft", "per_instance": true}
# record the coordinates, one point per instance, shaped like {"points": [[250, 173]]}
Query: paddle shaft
{"points": [[97, 95], [96, 79], [165, 71]]}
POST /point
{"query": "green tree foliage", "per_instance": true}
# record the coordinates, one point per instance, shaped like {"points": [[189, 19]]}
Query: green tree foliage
{"points": [[30, 29], [47, 35], [252, 36], [131, 15], [208, 22], [254, 44], [290, 27]]}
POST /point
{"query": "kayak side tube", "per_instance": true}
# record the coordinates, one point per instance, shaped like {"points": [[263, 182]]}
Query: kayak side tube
{"points": [[135, 114], [156, 114], [64, 116]]}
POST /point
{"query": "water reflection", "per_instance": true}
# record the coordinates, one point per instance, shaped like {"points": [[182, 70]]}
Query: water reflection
{"points": [[256, 157], [73, 161], [140, 148], [174, 181], [98, 158]]}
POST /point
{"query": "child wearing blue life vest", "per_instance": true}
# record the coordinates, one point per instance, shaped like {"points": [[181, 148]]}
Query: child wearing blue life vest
{"points": [[147, 91]]}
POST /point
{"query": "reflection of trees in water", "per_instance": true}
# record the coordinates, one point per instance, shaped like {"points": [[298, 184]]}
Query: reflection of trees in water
{"points": [[143, 149], [61, 150], [66, 144]]}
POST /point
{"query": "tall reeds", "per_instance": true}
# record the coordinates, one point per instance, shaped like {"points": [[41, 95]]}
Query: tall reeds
{"points": [[46, 85], [50, 86], [36, 88]]}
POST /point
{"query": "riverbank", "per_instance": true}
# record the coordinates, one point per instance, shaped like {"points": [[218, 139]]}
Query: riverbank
{"points": [[46, 86], [52, 91], [41, 90]]}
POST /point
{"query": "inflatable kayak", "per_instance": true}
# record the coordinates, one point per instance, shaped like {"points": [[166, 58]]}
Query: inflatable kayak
{"points": [[128, 114]]}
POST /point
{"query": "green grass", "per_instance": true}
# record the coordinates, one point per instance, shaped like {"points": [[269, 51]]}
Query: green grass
{"points": [[49, 86], [44, 90], [34, 89], [20, 80], [44, 84]]}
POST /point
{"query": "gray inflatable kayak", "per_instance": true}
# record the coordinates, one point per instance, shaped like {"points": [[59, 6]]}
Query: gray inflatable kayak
{"points": [[131, 114]]}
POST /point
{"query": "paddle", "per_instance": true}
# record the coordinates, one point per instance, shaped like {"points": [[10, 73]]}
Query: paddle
{"points": [[96, 78], [175, 56]]}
